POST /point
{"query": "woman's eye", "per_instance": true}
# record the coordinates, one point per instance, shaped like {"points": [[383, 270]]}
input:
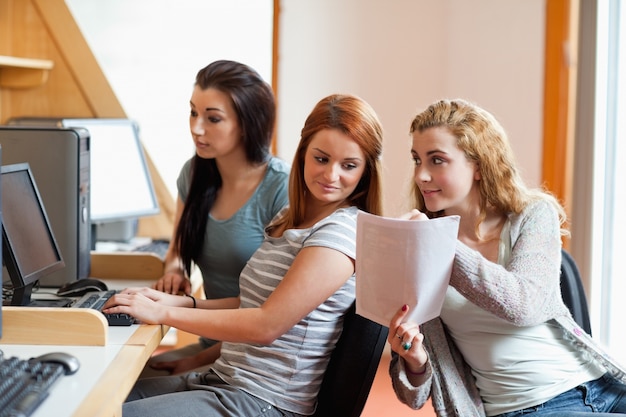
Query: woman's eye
{"points": [[193, 113], [437, 161], [417, 161], [214, 119], [349, 167], [321, 159]]}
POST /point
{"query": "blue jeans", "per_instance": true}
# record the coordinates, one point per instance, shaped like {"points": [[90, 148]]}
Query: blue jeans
{"points": [[604, 396]]}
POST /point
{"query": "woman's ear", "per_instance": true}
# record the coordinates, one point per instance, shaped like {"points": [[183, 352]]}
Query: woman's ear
{"points": [[477, 174]]}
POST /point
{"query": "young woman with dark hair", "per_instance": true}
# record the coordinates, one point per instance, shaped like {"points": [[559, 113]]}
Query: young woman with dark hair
{"points": [[227, 193]]}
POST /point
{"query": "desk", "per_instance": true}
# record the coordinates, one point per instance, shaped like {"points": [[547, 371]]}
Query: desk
{"points": [[111, 357], [106, 375]]}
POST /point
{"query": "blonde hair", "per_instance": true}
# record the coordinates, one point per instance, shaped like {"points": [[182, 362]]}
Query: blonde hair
{"points": [[355, 118], [483, 140]]}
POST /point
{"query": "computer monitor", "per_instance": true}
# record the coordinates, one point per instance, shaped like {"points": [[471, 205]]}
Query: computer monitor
{"points": [[29, 249], [121, 186]]}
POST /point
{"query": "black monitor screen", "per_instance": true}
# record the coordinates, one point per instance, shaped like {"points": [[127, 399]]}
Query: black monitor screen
{"points": [[121, 186], [29, 248]]}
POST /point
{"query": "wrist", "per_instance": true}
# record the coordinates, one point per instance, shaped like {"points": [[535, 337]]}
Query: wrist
{"points": [[175, 270], [410, 370], [193, 300], [420, 372]]}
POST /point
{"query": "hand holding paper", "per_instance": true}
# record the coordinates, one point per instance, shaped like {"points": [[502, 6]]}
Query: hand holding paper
{"points": [[403, 262]]}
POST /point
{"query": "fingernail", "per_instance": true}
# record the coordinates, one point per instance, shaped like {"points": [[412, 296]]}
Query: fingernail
{"points": [[405, 307]]}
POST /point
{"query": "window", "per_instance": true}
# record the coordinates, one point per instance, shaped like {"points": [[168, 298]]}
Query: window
{"points": [[604, 137], [150, 51]]}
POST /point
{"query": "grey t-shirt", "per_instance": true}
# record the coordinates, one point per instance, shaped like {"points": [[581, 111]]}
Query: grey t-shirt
{"points": [[288, 373]]}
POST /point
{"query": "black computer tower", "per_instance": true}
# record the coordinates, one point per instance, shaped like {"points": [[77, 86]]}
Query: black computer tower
{"points": [[59, 159]]}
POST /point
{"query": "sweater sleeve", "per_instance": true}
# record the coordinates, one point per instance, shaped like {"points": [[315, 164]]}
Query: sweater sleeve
{"points": [[527, 291], [413, 396]]}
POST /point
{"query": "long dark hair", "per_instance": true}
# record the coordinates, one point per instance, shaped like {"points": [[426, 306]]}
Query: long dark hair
{"points": [[254, 104]]}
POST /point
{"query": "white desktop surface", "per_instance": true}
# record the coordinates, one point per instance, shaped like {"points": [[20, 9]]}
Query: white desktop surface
{"points": [[67, 394]]}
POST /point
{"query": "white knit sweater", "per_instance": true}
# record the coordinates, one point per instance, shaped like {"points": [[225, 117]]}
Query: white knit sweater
{"points": [[526, 292]]}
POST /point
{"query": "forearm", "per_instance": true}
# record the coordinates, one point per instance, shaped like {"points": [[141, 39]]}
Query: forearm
{"points": [[173, 263], [218, 303], [208, 355], [232, 325]]}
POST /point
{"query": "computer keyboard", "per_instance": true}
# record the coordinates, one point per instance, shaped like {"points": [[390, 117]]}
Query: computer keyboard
{"points": [[157, 246], [96, 300], [25, 384]]}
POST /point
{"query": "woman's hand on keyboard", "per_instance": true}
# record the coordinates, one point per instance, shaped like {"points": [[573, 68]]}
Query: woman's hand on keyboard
{"points": [[173, 282], [144, 304]]}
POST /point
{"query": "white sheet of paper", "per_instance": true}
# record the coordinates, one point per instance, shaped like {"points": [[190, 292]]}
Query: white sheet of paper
{"points": [[403, 262]]}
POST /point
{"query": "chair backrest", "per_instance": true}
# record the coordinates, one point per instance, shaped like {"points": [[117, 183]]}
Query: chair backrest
{"points": [[573, 292], [352, 367]]}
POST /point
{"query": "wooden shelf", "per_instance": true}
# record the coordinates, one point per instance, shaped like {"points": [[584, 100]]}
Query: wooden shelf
{"points": [[23, 72]]}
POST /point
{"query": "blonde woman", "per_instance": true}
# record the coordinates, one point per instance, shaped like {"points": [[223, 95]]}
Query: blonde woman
{"points": [[505, 344]]}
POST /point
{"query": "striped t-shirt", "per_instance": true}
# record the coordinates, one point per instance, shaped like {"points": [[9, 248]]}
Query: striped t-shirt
{"points": [[288, 373]]}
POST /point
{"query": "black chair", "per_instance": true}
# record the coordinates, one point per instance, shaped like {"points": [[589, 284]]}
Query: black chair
{"points": [[573, 292], [352, 367]]}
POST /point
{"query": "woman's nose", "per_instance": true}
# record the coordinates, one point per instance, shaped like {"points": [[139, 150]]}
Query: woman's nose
{"points": [[331, 172], [421, 175], [196, 126]]}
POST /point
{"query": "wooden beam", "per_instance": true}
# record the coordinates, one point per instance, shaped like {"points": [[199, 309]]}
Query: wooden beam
{"points": [[561, 46], [102, 100], [69, 40]]}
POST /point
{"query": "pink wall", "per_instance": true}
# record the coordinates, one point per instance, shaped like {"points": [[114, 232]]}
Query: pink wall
{"points": [[402, 55]]}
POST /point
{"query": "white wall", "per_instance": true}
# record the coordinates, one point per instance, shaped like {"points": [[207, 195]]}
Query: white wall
{"points": [[401, 55]]}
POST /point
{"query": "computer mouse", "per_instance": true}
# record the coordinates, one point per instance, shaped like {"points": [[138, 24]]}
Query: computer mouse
{"points": [[81, 287], [70, 363]]}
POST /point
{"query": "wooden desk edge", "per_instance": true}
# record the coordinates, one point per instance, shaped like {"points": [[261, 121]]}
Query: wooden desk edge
{"points": [[53, 326], [146, 335], [106, 399]]}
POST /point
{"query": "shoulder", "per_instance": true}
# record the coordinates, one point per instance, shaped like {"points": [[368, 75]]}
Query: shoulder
{"points": [[540, 219], [277, 174], [186, 168], [345, 216], [340, 222], [540, 211], [184, 176], [272, 192], [336, 231], [278, 167]]}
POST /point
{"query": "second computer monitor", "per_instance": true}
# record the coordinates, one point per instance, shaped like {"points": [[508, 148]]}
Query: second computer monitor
{"points": [[30, 250], [121, 186]]}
